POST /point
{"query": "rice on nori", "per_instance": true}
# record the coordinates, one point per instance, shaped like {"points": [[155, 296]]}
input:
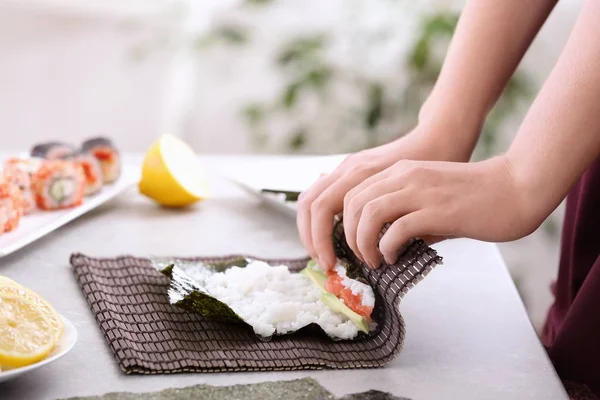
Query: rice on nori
{"points": [[58, 184], [271, 299], [106, 152]]}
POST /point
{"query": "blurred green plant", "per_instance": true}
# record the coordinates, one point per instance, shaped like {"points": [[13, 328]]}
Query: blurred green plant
{"points": [[303, 62], [424, 68], [308, 73]]}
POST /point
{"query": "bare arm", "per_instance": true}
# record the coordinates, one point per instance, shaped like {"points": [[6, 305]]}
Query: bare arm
{"points": [[490, 40], [560, 136], [506, 197]]}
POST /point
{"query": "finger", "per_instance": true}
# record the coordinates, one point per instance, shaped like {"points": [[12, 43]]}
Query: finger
{"points": [[303, 216], [323, 210], [397, 175], [366, 183], [353, 208], [417, 224], [375, 215], [399, 170]]}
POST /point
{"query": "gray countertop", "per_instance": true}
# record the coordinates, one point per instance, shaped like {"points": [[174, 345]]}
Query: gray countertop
{"points": [[468, 335]]}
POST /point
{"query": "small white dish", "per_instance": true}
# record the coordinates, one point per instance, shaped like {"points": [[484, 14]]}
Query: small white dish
{"points": [[40, 223], [68, 340]]}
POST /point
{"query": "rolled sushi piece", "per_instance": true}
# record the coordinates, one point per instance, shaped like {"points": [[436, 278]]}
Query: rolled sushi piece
{"points": [[11, 205], [92, 171], [108, 156], [52, 150], [20, 171], [271, 299], [58, 184]]}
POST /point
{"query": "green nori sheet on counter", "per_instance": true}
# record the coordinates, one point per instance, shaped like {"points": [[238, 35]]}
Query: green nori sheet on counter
{"points": [[300, 389]]}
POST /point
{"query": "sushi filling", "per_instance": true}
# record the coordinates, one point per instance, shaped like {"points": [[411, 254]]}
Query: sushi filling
{"points": [[357, 296], [109, 161], [62, 189], [92, 171]]}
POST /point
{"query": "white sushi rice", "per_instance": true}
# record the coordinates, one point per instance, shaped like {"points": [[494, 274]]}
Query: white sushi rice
{"points": [[367, 297], [272, 300]]}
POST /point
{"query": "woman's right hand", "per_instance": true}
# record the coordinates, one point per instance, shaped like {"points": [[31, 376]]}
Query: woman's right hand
{"points": [[325, 198]]}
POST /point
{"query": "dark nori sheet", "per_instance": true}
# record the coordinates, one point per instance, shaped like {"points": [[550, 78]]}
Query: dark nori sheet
{"points": [[299, 389]]}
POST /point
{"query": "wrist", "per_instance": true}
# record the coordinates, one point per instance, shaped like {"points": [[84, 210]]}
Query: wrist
{"points": [[535, 200], [452, 130], [453, 112]]}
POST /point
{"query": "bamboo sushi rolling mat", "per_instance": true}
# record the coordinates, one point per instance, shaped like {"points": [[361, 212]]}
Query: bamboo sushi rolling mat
{"points": [[147, 335]]}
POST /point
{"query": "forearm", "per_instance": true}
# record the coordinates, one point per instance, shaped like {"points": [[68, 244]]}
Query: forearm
{"points": [[489, 42], [560, 137]]}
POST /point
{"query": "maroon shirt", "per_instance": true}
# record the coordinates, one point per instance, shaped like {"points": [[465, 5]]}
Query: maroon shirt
{"points": [[572, 330]]}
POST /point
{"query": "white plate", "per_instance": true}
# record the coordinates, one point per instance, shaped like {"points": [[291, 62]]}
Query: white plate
{"points": [[68, 340], [279, 173], [40, 223]]}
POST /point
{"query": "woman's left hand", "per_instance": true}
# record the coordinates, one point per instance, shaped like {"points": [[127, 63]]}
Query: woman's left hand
{"points": [[435, 200]]}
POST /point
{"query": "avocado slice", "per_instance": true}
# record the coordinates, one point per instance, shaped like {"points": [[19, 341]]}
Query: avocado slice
{"points": [[338, 306], [333, 302], [317, 277]]}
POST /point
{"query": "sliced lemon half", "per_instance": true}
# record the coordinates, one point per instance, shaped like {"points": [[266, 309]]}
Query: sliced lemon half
{"points": [[26, 335], [46, 308], [172, 175]]}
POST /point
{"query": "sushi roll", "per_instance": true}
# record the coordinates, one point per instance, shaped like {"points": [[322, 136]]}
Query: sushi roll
{"points": [[58, 184], [19, 171], [108, 156], [52, 150], [92, 171], [11, 205]]}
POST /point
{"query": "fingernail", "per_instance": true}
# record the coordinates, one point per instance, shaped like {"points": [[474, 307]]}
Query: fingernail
{"points": [[319, 263], [324, 263], [378, 262], [330, 263], [391, 259]]}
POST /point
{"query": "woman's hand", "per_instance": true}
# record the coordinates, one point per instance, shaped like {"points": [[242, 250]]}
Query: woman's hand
{"points": [[435, 200], [319, 204]]}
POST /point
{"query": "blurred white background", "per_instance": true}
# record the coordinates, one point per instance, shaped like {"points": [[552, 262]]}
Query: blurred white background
{"points": [[215, 73]]}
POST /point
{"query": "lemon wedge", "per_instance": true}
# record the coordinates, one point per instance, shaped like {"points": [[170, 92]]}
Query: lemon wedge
{"points": [[26, 335], [45, 308], [171, 174]]}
